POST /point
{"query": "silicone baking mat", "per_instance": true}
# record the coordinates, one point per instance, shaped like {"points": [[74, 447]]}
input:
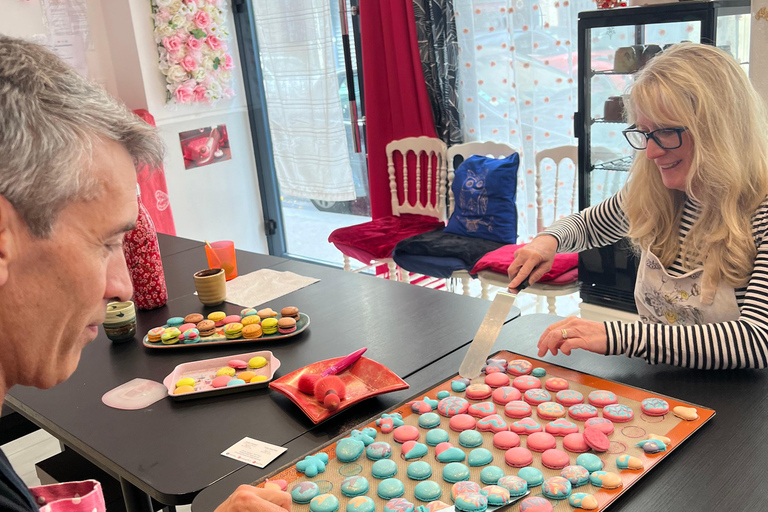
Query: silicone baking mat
{"points": [[623, 441]]}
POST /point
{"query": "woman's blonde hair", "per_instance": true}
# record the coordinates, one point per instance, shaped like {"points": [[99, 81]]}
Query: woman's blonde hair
{"points": [[703, 89]]}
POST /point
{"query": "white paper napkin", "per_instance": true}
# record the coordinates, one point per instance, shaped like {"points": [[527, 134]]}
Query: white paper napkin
{"points": [[264, 285]]}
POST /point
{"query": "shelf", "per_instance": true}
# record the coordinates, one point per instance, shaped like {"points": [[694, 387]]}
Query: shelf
{"points": [[618, 165], [600, 120], [612, 72]]}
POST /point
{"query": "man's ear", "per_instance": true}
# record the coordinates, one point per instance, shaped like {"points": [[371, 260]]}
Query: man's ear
{"points": [[9, 224]]}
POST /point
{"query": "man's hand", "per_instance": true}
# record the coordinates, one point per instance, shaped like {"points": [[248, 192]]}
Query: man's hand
{"points": [[248, 498]]}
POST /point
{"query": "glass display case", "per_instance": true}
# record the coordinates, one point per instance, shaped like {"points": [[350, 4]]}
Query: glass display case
{"points": [[613, 45]]}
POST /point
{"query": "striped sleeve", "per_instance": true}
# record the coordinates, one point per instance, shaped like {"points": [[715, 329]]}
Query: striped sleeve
{"points": [[596, 226], [742, 343]]}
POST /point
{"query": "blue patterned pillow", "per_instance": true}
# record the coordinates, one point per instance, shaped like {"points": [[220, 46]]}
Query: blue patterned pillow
{"points": [[484, 191]]}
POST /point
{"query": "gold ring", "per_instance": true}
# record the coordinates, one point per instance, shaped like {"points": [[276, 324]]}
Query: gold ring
{"points": [[564, 333]]}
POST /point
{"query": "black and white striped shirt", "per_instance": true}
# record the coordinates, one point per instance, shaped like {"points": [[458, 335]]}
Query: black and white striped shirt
{"points": [[742, 343]]}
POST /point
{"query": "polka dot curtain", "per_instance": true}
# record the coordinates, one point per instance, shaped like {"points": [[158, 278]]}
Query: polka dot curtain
{"points": [[518, 84]]}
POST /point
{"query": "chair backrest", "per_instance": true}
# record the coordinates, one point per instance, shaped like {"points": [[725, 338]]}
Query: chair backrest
{"points": [[431, 151], [489, 149], [557, 154]]}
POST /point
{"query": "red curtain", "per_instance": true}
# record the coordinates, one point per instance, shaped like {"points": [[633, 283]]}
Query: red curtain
{"points": [[396, 100], [154, 191]]}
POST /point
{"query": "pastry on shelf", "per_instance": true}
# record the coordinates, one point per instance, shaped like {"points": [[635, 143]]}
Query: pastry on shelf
{"points": [[614, 109], [649, 52], [626, 60]]}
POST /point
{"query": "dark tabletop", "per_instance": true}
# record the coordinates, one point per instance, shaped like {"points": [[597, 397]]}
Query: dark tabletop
{"points": [[173, 244], [171, 450], [720, 467]]}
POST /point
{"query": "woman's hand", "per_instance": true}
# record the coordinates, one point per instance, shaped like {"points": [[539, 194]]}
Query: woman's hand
{"points": [[571, 333], [248, 498], [532, 261]]}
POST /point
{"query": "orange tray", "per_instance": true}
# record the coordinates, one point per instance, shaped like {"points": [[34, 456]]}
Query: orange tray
{"points": [[364, 379], [622, 441]]}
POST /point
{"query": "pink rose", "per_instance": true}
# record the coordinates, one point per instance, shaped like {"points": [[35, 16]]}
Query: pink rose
{"points": [[189, 63], [200, 93], [194, 43], [202, 19], [214, 42], [162, 15], [172, 44], [228, 64], [183, 95]]}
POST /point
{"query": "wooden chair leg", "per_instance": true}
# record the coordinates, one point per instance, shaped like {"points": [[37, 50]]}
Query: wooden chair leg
{"points": [[483, 290], [539, 304], [392, 270], [551, 304], [465, 284], [347, 267]]}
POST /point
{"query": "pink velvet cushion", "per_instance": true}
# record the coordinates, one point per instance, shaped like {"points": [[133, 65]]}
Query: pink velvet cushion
{"points": [[565, 267], [376, 239]]}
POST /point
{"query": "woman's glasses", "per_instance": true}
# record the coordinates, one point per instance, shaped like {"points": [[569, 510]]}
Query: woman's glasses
{"points": [[665, 138]]}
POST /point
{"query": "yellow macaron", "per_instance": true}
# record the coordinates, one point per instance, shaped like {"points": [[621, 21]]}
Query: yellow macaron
{"points": [[257, 362], [269, 325]]}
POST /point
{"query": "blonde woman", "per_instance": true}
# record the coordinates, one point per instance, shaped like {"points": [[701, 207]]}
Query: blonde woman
{"points": [[695, 208]]}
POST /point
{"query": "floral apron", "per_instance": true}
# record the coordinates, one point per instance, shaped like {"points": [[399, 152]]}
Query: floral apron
{"points": [[689, 299]]}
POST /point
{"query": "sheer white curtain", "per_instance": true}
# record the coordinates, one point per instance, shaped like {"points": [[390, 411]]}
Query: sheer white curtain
{"points": [[302, 91], [518, 84]]}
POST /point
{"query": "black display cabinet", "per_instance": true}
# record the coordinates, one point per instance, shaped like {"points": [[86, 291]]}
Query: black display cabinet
{"points": [[608, 274]]}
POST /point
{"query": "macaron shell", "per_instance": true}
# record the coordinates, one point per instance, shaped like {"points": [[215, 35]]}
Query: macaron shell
{"points": [[596, 440], [518, 457], [555, 459]]}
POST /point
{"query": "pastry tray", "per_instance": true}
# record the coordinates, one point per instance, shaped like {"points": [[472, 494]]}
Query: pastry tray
{"points": [[204, 371], [623, 441], [219, 339]]}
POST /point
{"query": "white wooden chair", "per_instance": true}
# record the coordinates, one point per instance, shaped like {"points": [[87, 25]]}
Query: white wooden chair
{"points": [[417, 179], [488, 149], [551, 292]]}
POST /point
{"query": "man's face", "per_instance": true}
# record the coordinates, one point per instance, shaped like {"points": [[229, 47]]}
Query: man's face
{"points": [[57, 288]]}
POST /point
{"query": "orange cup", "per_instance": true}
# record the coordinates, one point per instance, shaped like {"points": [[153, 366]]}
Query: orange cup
{"points": [[222, 256]]}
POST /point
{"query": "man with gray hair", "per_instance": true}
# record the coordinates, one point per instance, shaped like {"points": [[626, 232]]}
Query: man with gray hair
{"points": [[67, 197]]}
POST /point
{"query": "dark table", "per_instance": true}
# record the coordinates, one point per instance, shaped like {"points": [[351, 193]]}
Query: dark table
{"points": [[720, 467], [171, 450]]}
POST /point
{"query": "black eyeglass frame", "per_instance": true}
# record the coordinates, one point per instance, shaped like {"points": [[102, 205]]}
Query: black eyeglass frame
{"points": [[652, 135]]}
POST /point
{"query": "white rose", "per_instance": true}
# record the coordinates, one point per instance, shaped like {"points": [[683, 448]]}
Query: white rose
{"points": [[175, 6], [213, 90], [210, 9], [179, 21], [164, 30], [218, 19], [225, 77], [199, 74], [176, 74], [207, 63], [163, 3]]}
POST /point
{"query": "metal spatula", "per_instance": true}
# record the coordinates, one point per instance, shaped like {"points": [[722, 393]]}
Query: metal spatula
{"points": [[486, 335]]}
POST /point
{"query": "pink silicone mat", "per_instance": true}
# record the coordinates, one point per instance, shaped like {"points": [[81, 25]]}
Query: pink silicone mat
{"points": [[623, 441]]}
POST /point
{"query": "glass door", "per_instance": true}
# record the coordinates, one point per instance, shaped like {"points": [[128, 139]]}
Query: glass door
{"points": [[306, 99]]}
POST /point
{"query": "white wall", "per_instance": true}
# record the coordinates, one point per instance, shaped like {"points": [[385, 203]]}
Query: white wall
{"points": [[220, 201], [25, 19]]}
